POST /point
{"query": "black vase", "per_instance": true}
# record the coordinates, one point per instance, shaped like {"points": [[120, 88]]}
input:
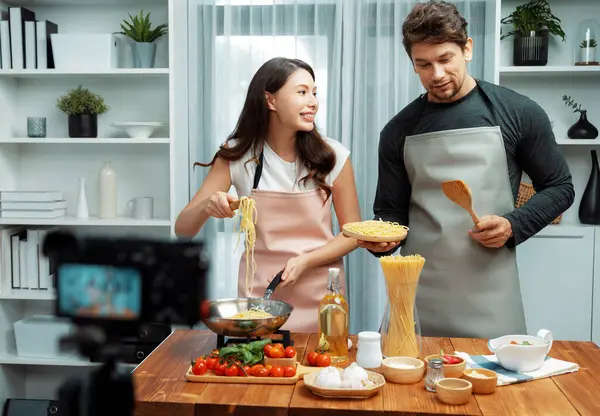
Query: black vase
{"points": [[83, 125], [589, 207], [583, 129], [530, 48]]}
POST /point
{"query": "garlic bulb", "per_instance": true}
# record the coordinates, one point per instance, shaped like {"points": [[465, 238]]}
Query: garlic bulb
{"points": [[329, 378], [355, 372]]}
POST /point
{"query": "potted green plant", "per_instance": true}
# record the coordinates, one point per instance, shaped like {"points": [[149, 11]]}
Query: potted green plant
{"points": [[82, 107], [582, 129], [139, 29], [532, 23], [587, 49]]}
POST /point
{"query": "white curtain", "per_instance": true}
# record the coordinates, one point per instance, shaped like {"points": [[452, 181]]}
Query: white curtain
{"points": [[364, 78]]}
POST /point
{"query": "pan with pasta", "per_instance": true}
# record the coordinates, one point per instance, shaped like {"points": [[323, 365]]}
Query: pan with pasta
{"points": [[376, 231]]}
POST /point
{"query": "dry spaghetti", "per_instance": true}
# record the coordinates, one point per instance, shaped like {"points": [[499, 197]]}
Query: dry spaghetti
{"points": [[247, 218], [401, 275]]}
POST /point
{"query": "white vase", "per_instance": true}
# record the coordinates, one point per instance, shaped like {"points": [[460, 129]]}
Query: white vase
{"points": [[82, 205], [108, 192]]}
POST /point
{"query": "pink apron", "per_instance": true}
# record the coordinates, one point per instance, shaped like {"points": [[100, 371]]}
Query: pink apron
{"points": [[290, 224]]}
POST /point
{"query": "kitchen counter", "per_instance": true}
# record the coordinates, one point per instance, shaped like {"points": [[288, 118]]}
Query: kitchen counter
{"points": [[161, 388]]}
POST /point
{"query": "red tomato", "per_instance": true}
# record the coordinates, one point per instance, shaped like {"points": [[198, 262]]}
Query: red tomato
{"points": [[289, 371], [211, 362], [267, 350], [323, 360], [231, 371], [276, 371], [255, 369], [220, 368], [247, 370], [312, 358], [290, 352], [277, 353], [262, 372], [199, 368]]}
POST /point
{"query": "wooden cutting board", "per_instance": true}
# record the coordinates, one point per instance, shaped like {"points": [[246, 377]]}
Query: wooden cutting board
{"points": [[210, 377]]}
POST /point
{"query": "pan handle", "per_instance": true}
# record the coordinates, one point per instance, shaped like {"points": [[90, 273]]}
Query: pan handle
{"points": [[274, 283]]}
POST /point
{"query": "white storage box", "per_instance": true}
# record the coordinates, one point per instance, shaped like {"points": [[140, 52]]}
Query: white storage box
{"points": [[85, 51], [38, 336]]}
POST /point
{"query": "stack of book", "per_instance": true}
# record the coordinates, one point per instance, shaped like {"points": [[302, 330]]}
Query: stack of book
{"points": [[32, 204], [22, 262], [24, 41]]}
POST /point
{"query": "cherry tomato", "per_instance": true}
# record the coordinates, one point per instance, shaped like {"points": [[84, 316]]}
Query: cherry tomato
{"points": [[262, 372], [277, 353], [231, 371], [267, 349], [219, 369], [323, 360], [276, 371], [255, 369], [199, 368], [247, 370], [290, 352], [312, 358], [211, 362], [289, 371]]}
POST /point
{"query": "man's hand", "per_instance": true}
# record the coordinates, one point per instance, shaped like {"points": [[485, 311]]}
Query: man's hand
{"points": [[377, 247], [492, 231]]}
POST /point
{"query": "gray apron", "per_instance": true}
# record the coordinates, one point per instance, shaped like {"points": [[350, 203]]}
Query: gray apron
{"points": [[465, 289]]}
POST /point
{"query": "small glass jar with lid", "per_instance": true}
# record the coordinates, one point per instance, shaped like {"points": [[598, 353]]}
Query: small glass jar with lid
{"points": [[586, 40]]}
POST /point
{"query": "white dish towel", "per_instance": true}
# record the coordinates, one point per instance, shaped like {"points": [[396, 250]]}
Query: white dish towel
{"points": [[551, 367]]}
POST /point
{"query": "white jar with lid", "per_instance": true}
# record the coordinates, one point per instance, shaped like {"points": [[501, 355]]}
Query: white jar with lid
{"points": [[368, 354]]}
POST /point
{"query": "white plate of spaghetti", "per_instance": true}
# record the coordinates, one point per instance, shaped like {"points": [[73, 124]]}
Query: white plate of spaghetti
{"points": [[375, 231]]}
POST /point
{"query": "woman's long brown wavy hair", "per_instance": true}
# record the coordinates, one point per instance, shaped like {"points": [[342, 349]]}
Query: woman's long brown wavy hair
{"points": [[253, 125]]}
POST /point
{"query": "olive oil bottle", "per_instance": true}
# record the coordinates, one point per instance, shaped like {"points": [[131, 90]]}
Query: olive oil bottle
{"points": [[333, 321]]}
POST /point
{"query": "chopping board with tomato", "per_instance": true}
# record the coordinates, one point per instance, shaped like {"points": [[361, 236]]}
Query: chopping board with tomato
{"points": [[257, 362]]}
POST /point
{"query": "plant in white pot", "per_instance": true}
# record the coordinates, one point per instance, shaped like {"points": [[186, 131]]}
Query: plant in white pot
{"points": [[83, 107], [588, 51], [139, 29]]}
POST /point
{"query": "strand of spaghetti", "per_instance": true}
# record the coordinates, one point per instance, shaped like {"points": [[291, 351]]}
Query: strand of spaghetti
{"points": [[247, 218], [401, 275]]}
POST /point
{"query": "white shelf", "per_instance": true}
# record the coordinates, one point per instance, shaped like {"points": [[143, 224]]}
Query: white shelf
{"points": [[60, 362], [29, 294], [579, 142], [60, 140], [117, 222], [549, 70], [34, 3], [51, 73]]}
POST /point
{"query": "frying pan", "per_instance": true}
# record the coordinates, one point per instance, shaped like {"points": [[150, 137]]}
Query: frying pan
{"points": [[219, 310]]}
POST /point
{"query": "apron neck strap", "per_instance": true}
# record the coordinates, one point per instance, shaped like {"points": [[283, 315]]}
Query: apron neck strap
{"points": [[258, 172]]}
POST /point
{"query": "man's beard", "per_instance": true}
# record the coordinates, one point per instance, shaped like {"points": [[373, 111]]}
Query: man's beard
{"points": [[447, 95]]}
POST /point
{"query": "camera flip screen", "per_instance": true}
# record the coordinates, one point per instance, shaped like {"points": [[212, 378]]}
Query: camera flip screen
{"points": [[99, 292]]}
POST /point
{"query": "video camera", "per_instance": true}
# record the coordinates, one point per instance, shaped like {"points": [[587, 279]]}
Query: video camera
{"points": [[109, 287]]}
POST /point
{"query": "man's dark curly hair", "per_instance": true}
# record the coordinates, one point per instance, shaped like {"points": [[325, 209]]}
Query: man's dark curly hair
{"points": [[434, 22]]}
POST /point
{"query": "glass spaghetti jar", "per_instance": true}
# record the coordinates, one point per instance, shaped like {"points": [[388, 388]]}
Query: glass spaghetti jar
{"points": [[333, 321], [400, 330]]}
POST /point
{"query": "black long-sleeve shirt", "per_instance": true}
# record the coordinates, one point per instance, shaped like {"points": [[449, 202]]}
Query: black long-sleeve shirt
{"points": [[528, 140]]}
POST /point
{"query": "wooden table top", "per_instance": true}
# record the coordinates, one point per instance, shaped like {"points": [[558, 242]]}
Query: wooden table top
{"points": [[161, 388]]}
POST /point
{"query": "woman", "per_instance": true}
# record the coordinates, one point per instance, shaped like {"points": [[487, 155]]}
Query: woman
{"points": [[277, 157]]}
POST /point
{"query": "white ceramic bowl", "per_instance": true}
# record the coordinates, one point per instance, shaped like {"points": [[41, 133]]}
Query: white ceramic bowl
{"points": [[528, 354], [139, 130]]}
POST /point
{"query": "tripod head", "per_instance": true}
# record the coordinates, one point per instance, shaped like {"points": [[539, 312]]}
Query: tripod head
{"points": [[110, 287]]}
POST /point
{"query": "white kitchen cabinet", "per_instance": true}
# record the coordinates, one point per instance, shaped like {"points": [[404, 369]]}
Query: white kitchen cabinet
{"points": [[556, 269], [596, 293]]}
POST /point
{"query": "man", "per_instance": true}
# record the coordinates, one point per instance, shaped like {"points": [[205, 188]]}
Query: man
{"points": [[486, 136]]}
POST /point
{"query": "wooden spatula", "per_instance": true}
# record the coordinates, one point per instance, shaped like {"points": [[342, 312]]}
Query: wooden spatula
{"points": [[234, 205], [458, 192]]}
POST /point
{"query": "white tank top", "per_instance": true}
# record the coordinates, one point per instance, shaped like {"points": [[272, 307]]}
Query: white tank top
{"points": [[279, 175]]}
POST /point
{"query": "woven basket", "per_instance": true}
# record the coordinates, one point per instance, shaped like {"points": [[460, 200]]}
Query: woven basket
{"points": [[526, 191]]}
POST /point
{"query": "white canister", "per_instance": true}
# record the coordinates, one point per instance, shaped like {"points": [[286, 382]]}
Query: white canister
{"points": [[108, 192], [368, 353]]}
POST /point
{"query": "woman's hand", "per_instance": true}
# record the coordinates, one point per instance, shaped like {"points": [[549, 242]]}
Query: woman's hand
{"points": [[218, 205], [293, 270]]}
